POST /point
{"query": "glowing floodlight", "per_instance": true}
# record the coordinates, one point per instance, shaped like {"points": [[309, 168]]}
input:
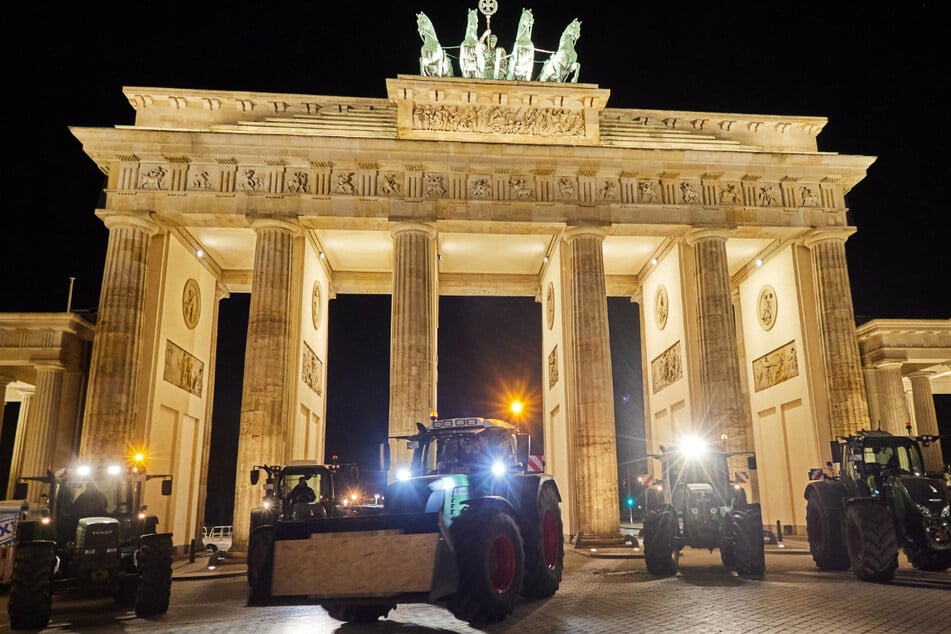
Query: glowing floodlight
{"points": [[693, 447]]}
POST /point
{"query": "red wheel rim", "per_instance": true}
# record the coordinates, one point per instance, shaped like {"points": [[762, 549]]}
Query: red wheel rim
{"points": [[503, 563], [551, 539]]}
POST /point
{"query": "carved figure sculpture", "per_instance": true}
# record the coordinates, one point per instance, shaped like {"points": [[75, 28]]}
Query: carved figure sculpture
{"points": [[565, 59], [522, 59], [433, 61], [472, 49]]}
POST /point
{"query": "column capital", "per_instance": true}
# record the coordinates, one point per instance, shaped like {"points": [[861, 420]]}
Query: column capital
{"points": [[404, 226], [693, 236], [50, 366], [825, 234], [598, 231], [922, 374], [117, 220], [889, 363], [291, 226]]}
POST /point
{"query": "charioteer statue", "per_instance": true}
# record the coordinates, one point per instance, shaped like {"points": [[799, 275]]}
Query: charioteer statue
{"points": [[480, 57]]}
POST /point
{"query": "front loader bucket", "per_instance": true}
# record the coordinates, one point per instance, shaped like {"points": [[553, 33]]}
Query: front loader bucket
{"points": [[316, 560]]}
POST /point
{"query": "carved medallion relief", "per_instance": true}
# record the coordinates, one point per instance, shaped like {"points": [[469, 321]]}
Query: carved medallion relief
{"points": [[766, 307], [316, 305], [661, 307], [191, 303], [550, 306]]}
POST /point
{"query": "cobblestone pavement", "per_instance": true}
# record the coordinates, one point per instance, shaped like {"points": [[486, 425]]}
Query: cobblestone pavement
{"points": [[604, 592]]}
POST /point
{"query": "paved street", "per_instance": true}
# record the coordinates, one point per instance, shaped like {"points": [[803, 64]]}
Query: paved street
{"points": [[600, 593]]}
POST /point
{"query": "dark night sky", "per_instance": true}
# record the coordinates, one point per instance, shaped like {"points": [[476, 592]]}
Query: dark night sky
{"points": [[874, 70]]}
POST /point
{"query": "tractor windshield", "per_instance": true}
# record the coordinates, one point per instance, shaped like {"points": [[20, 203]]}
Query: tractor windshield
{"points": [[882, 454], [467, 451], [80, 495]]}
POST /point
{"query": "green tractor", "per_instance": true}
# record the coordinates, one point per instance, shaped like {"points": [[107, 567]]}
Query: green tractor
{"points": [[466, 525], [91, 535], [697, 504], [881, 500]]}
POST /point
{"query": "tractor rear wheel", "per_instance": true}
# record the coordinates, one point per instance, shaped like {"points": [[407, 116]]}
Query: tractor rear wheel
{"points": [[873, 547], [258, 547], [824, 518], [491, 563], [31, 595], [357, 612], [155, 574], [544, 548], [748, 551], [660, 555]]}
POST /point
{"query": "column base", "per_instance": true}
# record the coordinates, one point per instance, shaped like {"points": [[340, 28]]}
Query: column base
{"points": [[595, 540]]}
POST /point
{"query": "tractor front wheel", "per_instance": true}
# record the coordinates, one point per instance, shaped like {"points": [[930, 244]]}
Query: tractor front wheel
{"points": [[31, 595], [155, 574], [544, 548], [660, 555], [748, 551], [873, 547], [258, 547], [491, 563]]}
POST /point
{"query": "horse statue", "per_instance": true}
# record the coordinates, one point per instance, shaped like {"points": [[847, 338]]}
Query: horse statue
{"points": [[522, 60], [433, 61], [472, 49], [565, 59]]}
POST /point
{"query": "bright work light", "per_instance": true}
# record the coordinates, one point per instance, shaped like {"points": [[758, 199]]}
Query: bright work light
{"points": [[403, 474], [498, 469], [693, 447]]}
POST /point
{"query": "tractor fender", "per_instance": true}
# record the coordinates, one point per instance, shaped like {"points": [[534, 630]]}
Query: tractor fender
{"points": [[495, 502], [833, 493], [525, 490], [34, 530]]}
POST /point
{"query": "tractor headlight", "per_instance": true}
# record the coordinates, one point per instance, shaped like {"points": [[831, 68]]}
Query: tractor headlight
{"points": [[83, 470], [498, 468], [113, 469], [403, 474], [693, 447]]}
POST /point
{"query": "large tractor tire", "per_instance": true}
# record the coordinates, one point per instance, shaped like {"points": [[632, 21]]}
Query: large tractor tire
{"points": [[660, 555], [31, 596], [491, 561], [258, 548], [544, 548], [358, 613], [871, 540], [749, 556], [824, 523], [155, 574]]}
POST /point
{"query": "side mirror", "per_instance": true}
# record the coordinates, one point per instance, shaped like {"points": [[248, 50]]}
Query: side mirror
{"points": [[167, 487], [255, 476], [751, 463], [19, 491], [523, 448], [384, 456], [836, 450]]}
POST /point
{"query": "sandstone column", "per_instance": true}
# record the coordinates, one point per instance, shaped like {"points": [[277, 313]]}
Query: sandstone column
{"points": [[413, 320], [37, 446], [109, 420], [592, 390], [894, 405], [5, 380], [268, 360], [724, 412], [874, 395], [16, 461], [927, 419], [845, 385]]}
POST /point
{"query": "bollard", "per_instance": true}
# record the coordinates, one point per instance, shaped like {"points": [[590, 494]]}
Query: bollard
{"points": [[779, 531], [191, 552]]}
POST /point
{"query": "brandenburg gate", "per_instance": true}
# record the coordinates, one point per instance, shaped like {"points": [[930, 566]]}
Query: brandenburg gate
{"points": [[728, 230]]}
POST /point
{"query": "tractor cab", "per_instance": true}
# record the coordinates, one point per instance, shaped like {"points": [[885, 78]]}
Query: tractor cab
{"points": [[874, 457]]}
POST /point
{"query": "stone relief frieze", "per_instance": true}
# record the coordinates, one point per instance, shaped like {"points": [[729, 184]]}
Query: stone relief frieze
{"points": [[775, 367], [435, 186], [344, 184], [182, 369], [646, 192], [498, 120], [553, 367], [767, 196], [312, 370], [567, 188], [520, 189], [298, 183], [608, 191], [666, 368], [391, 185], [809, 197], [480, 188], [689, 193], [251, 181], [731, 194], [154, 178]]}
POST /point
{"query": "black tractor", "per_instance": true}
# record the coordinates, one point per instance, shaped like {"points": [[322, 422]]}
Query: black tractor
{"points": [[697, 504], [880, 500], [91, 534]]}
